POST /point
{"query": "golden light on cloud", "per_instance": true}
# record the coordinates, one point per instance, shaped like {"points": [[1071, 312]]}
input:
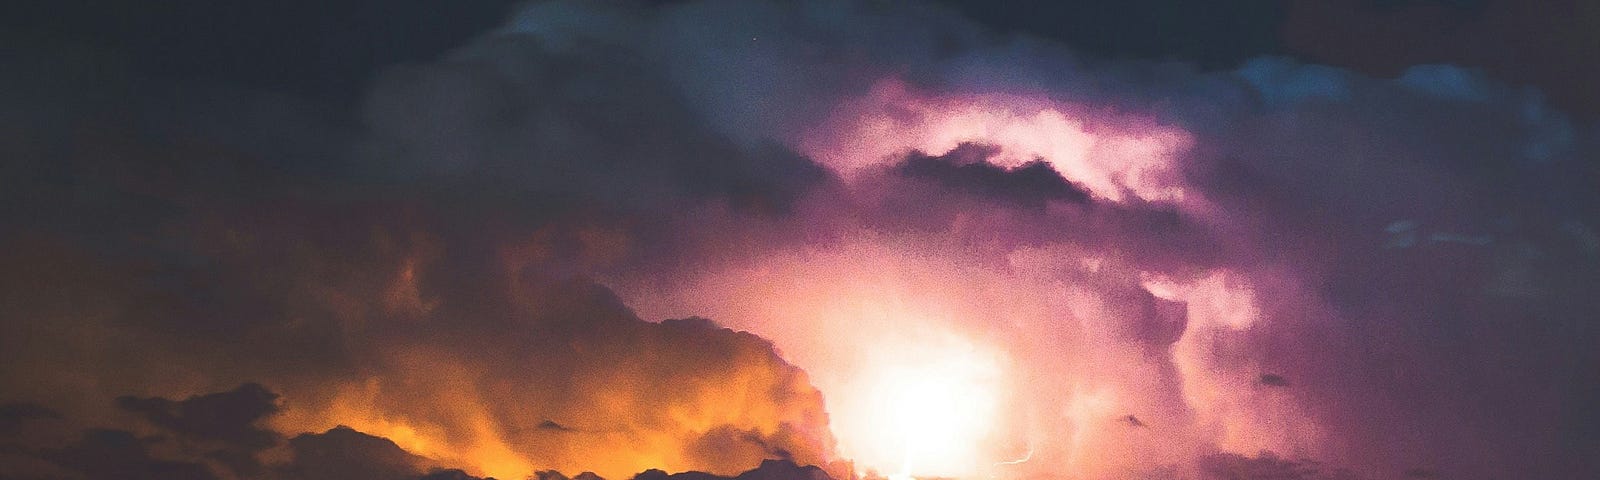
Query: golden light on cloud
{"points": [[879, 332]]}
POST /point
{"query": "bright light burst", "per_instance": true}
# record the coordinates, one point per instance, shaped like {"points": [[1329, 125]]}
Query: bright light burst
{"points": [[933, 405]]}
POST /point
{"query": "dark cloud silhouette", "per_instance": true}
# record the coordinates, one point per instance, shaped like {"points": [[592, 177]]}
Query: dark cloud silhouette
{"points": [[109, 454], [1483, 34], [1132, 421], [555, 475], [229, 417], [345, 453], [217, 435], [768, 470], [594, 122], [966, 169], [1229, 466], [1274, 380], [448, 474], [12, 415]]}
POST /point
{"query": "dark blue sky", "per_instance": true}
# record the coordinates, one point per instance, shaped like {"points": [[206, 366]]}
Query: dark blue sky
{"points": [[330, 49]]}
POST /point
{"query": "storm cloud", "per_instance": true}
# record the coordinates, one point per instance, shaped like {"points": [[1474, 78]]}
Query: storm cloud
{"points": [[503, 260]]}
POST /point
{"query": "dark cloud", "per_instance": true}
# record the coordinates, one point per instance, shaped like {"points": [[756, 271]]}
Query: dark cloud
{"points": [[12, 415], [1218, 35], [109, 454], [1521, 42], [966, 169], [217, 436], [345, 453], [319, 49], [593, 121], [449, 474], [768, 470], [229, 417], [1274, 380], [1226, 466], [555, 475]]}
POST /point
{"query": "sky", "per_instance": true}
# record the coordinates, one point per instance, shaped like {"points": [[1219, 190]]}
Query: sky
{"points": [[829, 239], [329, 50]]}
